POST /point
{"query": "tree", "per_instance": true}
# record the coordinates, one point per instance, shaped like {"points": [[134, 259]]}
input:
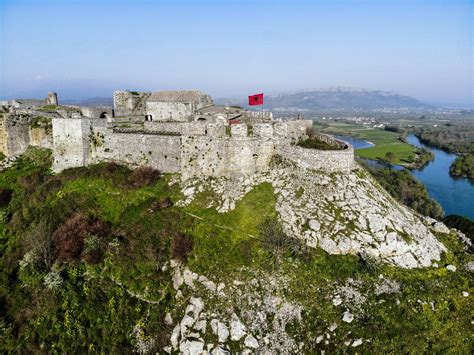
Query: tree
{"points": [[390, 157]]}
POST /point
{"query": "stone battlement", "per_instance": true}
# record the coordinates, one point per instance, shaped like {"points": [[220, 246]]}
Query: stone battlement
{"points": [[172, 131], [190, 148]]}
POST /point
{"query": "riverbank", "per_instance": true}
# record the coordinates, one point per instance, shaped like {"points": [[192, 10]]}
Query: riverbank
{"points": [[463, 166], [384, 145]]}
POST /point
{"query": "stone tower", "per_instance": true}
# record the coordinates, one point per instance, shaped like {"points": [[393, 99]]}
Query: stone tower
{"points": [[52, 98]]}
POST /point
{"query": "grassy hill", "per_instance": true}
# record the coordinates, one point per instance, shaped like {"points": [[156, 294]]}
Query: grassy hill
{"points": [[85, 266]]}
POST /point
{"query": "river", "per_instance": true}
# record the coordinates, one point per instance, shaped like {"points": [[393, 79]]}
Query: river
{"points": [[455, 195]]}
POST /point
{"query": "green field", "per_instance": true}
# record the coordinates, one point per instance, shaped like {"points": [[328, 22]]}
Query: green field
{"points": [[384, 141]]}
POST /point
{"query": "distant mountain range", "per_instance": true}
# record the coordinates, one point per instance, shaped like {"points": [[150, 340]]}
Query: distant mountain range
{"points": [[312, 100], [337, 98]]}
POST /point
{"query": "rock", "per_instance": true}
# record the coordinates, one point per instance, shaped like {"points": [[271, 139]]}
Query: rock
{"points": [[333, 327], [198, 306], [319, 339], [470, 266], [451, 268], [357, 342], [387, 286], [251, 342], [211, 286], [314, 225], [237, 329], [191, 347], [337, 300], [189, 277], [220, 350], [220, 330], [465, 294], [348, 317], [189, 191], [175, 336], [201, 325], [177, 280], [168, 319], [186, 322], [440, 227]]}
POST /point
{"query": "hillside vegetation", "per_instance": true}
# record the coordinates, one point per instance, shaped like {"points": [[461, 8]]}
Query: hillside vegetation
{"points": [[463, 166], [388, 146], [453, 138], [103, 258]]}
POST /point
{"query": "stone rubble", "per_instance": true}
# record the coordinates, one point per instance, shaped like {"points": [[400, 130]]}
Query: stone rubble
{"points": [[251, 327]]}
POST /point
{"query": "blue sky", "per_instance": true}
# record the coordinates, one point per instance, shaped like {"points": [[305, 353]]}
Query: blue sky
{"points": [[232, 48]]}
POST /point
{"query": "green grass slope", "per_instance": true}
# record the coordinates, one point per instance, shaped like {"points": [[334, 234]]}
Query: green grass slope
{"points": [[83, 258]]}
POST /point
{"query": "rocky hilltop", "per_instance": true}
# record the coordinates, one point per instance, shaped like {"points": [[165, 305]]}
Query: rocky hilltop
{"points": [[291, 259]]}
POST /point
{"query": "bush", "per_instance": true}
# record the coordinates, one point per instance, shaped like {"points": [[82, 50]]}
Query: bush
{"points": [[463, 224], [313, 142], [181, 246], [5, 197], [274, 239], [31, 182], [157, 205], [69, 237], [144, 176]]}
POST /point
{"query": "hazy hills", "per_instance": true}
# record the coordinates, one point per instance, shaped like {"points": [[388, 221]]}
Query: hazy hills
{"points": [[339, 98]]}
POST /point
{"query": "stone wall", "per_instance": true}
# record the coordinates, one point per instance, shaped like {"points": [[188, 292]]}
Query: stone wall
{"points": [[327, 160], [15, 134], [192, 148], [162, 152], [128, 103], [70, 143], [3, 134], [98, 112], [41, 137], [228, 156], [169, 111], [262, 115]]}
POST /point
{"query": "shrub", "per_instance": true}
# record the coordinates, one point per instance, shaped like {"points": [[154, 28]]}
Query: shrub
{"points": [[144, 176], [32, 181], [368, 263], [160, 204], [69, 236], [313, 142], [181, 246], [5, 197], [274, 239]]}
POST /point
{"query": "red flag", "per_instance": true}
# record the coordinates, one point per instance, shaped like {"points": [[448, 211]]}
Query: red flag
{"points": [[256, 99]]}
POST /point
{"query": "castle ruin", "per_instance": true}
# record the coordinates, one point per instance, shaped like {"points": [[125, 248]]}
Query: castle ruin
{"points": [[172, 131]]}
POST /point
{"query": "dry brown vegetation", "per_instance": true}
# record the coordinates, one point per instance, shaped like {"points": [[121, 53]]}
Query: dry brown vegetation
{"points": [[181, 246], [68, 239]]}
